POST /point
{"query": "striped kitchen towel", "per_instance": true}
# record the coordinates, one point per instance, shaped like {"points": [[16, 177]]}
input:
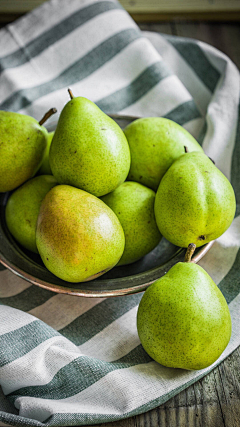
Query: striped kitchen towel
{"points": [[72, 361]]}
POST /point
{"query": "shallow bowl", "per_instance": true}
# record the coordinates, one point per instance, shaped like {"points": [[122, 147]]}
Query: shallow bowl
{"points": [[119, 281]]}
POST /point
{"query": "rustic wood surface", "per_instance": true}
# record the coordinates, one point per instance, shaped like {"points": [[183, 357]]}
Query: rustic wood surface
{"points": [[214, 401], [143, 7]]}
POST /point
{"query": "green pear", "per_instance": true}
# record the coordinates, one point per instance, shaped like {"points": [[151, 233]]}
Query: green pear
{"points": [[45, 166], [22, 147], [23, 208], [195, 202], [155, 143], [183, 319], [89, 150], [134, 206], [78, 237]]}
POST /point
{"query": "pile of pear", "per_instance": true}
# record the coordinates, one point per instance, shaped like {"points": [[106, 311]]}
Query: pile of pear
{"points": [[91, 196]]}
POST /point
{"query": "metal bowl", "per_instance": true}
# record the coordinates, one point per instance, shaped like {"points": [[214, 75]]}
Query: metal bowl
{"points": [[119, 281]]}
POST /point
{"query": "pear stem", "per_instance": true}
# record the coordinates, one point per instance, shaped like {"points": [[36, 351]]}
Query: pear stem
{"points": [[70, 93], [47, 115], [185, 149], [211, 160], [190, 251]]}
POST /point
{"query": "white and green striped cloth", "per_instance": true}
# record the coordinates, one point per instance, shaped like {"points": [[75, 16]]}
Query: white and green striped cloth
{"points": [[72, 361]]}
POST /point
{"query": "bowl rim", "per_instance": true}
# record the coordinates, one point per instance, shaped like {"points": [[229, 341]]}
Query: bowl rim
{"points": [[104, 294]]}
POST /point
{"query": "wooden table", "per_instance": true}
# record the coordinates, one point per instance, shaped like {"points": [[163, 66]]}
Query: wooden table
{"points": [[214, 401]]}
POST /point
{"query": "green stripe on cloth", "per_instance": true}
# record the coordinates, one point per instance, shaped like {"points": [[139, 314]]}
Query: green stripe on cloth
{"points": [[19, 342], [54, 34], [82, 68], [28, 299], [128, 95], [197, 60], [230, 285], [58, 419], [202, 134], [80, 374], [184, 113], [17, 421], [98, 317], [77, 418]]}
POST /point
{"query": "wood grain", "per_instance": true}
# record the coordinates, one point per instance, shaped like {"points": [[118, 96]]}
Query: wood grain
{"points": [[140, 6], [150, 10], [164, 6], [224, 36], [193, 16]]}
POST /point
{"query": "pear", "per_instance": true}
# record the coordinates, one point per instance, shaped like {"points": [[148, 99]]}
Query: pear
{"points": [[183, 319], [155, 143], [23, 207], [78, 237], [134, 206], [22, 147], [195, 202], [89, 150], [45, 166]]}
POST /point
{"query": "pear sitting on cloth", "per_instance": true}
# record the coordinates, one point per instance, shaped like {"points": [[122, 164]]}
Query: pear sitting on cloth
{"points": [[183, 319]]}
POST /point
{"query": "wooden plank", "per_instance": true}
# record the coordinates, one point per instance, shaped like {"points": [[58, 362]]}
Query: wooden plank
{"points": [[234, 16], [223, 36], [197, 16], [141, 6], [165, 28], [138, 6], [19, 6], [6, 18]]}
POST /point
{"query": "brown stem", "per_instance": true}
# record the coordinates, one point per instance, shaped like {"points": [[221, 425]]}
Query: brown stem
{"points": [[70, 93], [211, 160], [47, 115], [186, 149], [190, 251]]}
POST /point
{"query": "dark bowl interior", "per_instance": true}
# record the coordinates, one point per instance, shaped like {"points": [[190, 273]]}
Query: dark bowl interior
{"points": [[122, 280]]}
